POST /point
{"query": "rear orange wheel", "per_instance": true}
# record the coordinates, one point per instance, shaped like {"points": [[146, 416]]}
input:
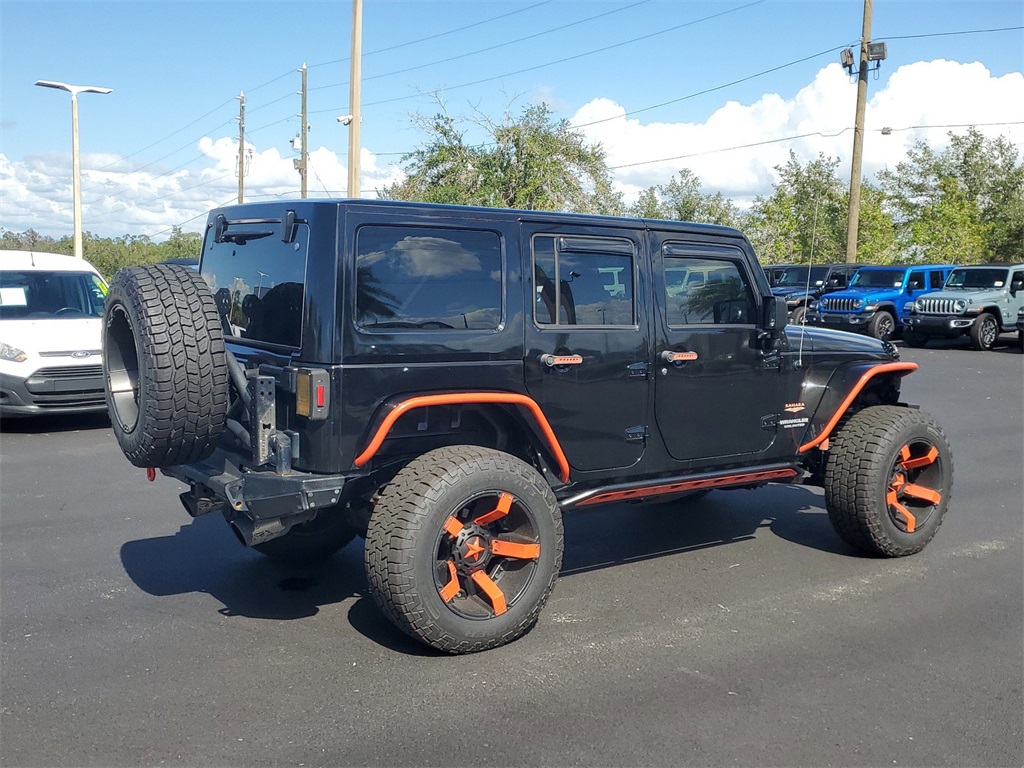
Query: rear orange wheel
{"points": [[463, 548]]}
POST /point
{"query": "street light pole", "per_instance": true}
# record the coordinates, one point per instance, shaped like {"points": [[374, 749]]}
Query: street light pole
{"points": [[76, 181], [853, 219]]}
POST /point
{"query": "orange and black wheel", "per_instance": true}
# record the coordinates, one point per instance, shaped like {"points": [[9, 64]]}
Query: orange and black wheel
{"points": [[463, 548], [888, 480]]}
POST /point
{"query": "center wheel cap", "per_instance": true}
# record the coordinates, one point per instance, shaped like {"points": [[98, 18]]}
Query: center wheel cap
{"points": [[472, 550]]}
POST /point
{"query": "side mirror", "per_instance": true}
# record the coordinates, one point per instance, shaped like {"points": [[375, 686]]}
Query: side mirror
{"points": [[1016, 284], [775, 316]]}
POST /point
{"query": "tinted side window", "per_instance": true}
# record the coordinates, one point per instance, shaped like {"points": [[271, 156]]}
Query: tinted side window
{"points": [[583, 281], [936, 278], [425, 278], [722, 295], [916, 281], [258, 284]]}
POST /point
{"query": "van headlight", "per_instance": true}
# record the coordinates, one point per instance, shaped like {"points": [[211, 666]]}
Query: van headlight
{"points": [[15, 355]]}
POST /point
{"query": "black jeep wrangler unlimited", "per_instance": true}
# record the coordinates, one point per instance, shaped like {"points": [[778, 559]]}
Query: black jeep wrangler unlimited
{"points": [[446, 382]]}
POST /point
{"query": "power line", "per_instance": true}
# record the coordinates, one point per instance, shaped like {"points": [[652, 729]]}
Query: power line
{"points": [[439, 34], [823, 134], [567, 58], [949, 34], [493, 47]]}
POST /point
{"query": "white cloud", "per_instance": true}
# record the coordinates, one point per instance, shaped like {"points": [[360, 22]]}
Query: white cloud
{"points": [[925, 93], [123, 196]]}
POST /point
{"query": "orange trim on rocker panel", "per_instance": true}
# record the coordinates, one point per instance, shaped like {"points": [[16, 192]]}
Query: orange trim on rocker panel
{"points": [[463, 398], [848, 400], [721, 481]]}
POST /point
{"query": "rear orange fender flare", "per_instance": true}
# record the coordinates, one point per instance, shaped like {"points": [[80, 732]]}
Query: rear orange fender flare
{"points": [[466, 398]]}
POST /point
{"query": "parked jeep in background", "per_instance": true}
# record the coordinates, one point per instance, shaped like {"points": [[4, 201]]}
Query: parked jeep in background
{"points": [[877, 299], [773, 272], [801, 284], [981, 302], [447, 381]]}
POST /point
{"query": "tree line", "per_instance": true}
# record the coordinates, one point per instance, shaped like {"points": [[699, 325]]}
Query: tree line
{"points": [[108, 254], [961, 205]]}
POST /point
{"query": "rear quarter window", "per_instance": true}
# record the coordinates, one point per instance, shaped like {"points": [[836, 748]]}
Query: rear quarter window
{"points": [[424, 278]]}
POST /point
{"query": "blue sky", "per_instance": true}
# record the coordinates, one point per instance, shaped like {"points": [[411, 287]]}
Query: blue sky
{"points": [[157, 151]]}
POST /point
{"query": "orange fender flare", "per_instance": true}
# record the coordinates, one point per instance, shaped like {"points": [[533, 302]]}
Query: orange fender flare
{"points": [[902, 368], [464, 398]]}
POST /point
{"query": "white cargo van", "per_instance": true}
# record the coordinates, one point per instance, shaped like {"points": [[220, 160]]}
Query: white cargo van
{"points": [[50, 351]]}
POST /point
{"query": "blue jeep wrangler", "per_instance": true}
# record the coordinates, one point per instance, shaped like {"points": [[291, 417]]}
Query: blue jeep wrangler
{"points": [[878, 299]]}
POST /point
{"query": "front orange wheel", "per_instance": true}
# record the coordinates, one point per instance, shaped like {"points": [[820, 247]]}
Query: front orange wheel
{"points": [[888, 480]]}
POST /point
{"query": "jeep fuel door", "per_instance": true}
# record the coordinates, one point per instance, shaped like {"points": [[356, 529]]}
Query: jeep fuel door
{"points": [[587, 340], [713, 386]]}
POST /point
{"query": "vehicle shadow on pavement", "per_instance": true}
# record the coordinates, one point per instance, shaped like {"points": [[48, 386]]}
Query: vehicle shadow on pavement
{"points": [[38, 425], [617, 534], [204, 557]]}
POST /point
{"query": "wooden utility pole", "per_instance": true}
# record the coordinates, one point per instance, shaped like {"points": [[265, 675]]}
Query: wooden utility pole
{"points": [[241, 144], [853, 220], [354, 96], [303, 131]]}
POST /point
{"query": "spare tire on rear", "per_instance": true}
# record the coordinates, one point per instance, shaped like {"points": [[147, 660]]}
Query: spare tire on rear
{"points": [[165, 365]]}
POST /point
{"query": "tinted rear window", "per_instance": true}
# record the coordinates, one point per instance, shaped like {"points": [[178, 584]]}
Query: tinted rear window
{"points": [[259, 284]]}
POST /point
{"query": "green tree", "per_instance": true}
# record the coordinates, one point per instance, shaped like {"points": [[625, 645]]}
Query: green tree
{"points": [[976, 184], [530, 161], [806, 213], [682, 200]]}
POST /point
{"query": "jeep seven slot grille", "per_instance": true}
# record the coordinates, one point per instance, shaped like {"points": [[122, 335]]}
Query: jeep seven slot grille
{"points": [[839, 305], [937, 306]]}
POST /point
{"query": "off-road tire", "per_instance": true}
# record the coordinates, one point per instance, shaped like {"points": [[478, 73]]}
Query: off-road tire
{"points": [[914, 339], [985, 331], [312, 542], [408, 522], [882, 325], [861, 462], [797, 316], [164, 365]]}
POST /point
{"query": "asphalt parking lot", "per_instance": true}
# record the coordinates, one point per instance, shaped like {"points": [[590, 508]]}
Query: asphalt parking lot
{"points": [[735, 630]]}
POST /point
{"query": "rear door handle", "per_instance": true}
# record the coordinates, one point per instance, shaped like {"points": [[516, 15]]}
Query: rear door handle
{"points": [[677, 357], [556, 361]]}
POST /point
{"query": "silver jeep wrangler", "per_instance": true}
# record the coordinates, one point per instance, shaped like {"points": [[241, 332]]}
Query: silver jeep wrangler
{"points": [[981, 301]]}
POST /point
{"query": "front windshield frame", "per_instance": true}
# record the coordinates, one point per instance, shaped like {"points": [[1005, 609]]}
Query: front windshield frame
{"points": [[984, 277], [878, 278]]}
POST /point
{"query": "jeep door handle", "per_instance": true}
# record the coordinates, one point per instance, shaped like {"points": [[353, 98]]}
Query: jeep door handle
{"points": [[677, 357], [556, 361]]}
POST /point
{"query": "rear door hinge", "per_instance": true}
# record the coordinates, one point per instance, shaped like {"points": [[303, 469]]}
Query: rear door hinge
{"points": [[638, 370], [637, 434]]}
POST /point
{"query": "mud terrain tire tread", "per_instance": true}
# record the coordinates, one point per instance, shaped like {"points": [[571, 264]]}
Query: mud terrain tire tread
{"points": [[857, 472], [183, 391], [399, 523]]}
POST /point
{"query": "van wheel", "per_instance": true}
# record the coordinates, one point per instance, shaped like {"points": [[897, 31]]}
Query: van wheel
{"points": [[888, 480], [882, 325], [463, 548], [310, 542], [164, 365], [984, 331]]}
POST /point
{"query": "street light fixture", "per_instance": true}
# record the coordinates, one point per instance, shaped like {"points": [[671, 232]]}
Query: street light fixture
{"points": [[76, 180]]}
